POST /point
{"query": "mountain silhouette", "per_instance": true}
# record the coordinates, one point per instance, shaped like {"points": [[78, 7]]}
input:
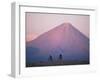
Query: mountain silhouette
{"points": [[64, 39]]}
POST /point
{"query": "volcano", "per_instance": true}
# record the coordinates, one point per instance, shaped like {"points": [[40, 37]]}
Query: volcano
{"points": [[63, 41]]}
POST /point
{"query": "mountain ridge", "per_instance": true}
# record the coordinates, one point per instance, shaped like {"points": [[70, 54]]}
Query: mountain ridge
{"points": [[62, 26]]}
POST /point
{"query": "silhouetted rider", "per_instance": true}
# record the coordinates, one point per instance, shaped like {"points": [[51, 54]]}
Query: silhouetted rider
{"points": [[60, 57], [50, 58]]}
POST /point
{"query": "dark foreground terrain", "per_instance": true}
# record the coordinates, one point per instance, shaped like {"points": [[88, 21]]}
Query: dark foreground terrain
{"points": [[56, 63]]}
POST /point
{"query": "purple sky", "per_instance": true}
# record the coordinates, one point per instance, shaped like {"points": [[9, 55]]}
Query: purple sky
{"points": [[37, 23]]}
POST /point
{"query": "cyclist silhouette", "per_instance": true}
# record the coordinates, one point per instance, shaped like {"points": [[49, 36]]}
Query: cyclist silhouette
{"points": [[60, 57], [50, 58]]}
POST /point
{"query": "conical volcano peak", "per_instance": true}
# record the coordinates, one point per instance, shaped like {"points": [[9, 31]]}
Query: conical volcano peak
{"points": [[65, 25]]}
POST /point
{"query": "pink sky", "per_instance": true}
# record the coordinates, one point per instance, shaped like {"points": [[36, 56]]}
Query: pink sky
{"points": [[37, 23]]}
